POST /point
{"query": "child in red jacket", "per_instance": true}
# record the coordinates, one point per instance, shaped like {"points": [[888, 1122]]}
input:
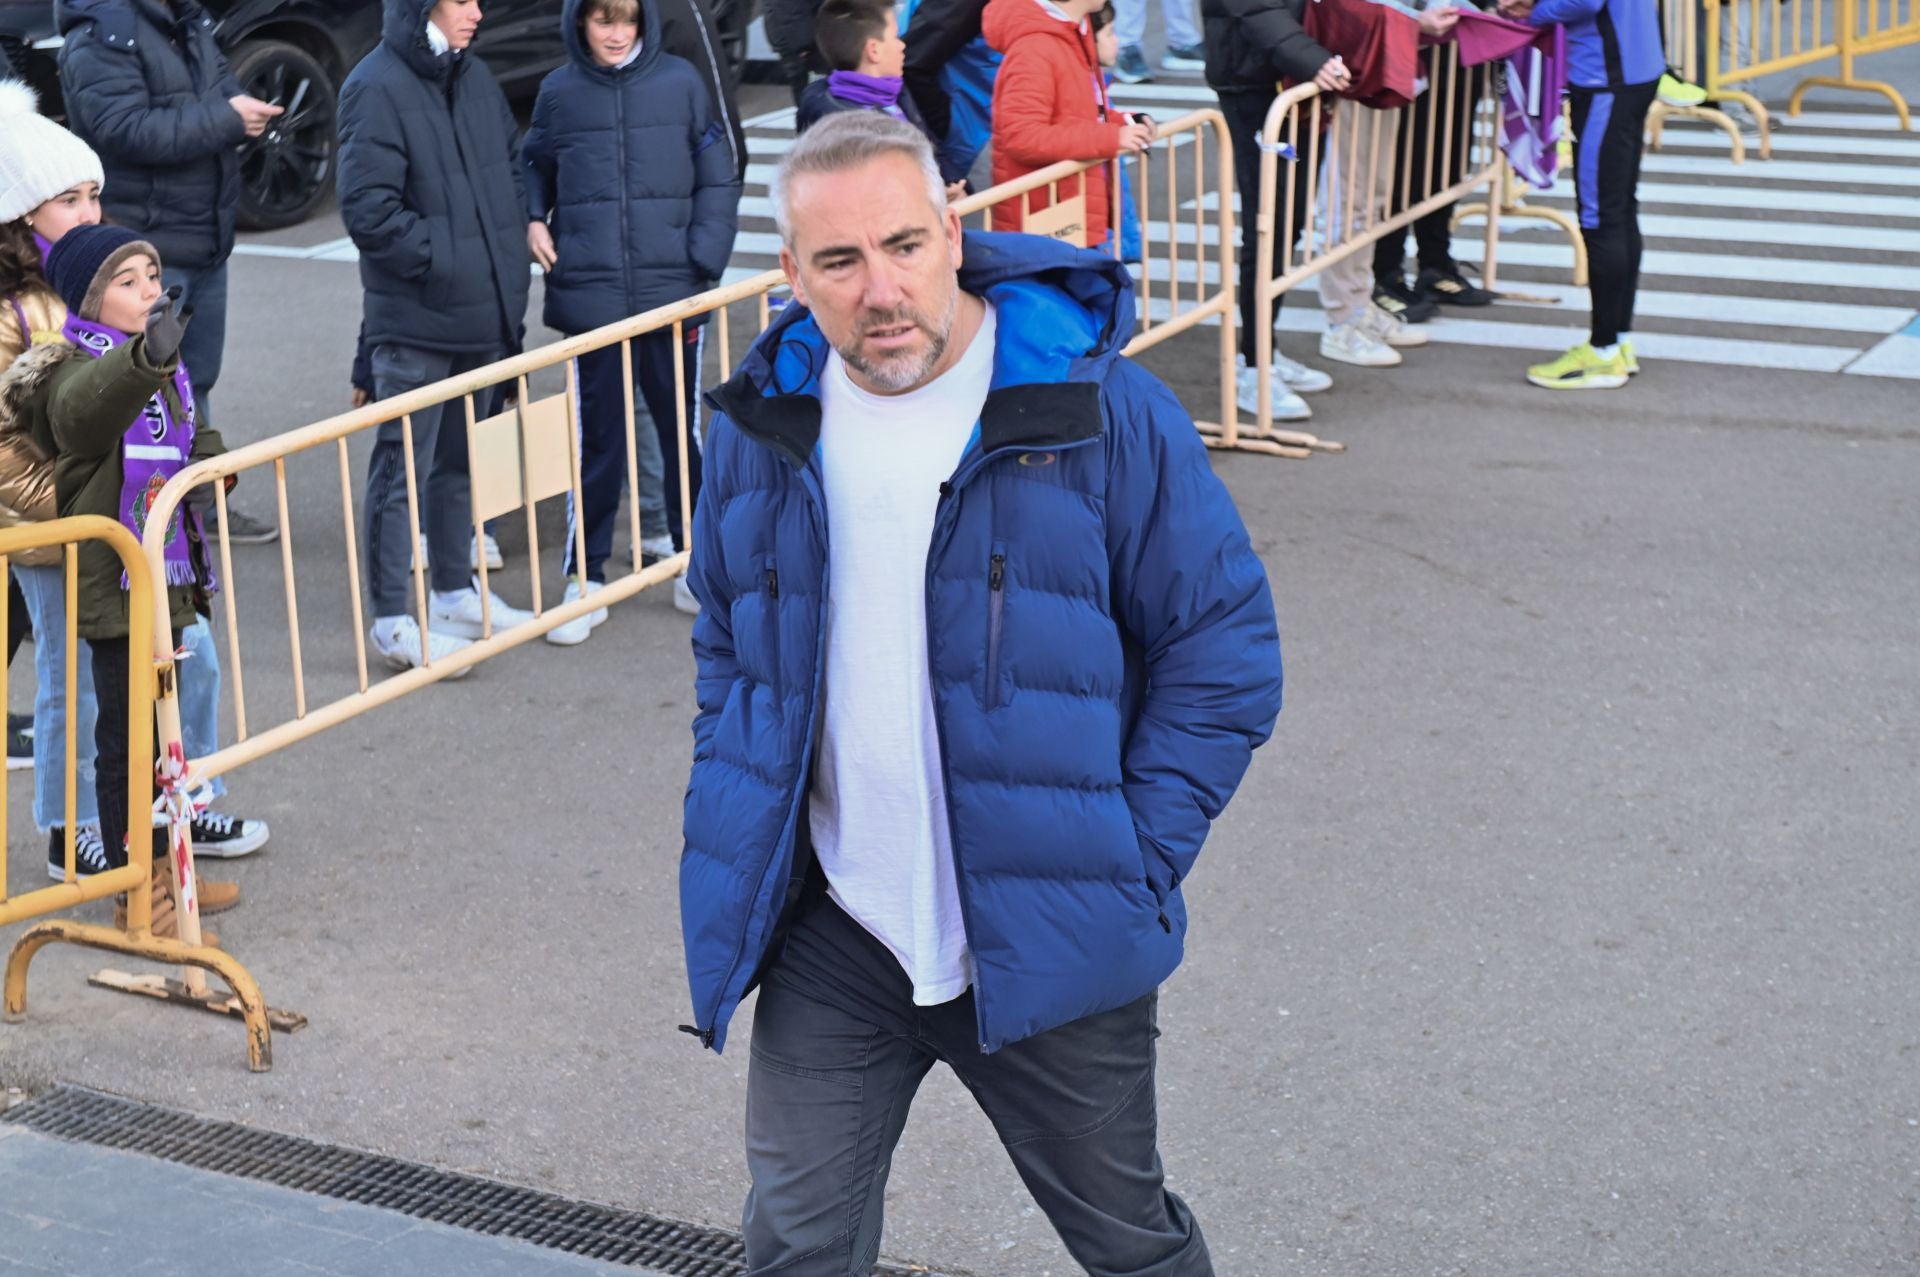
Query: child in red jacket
{"points": [[1050, 104]]}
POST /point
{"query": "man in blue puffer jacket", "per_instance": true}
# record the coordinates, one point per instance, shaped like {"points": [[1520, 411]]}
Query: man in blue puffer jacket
{"points": [[984, 650], [633, 200]]}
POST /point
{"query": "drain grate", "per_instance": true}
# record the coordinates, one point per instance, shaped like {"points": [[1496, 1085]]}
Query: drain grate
{"points": [[647, 1242]]}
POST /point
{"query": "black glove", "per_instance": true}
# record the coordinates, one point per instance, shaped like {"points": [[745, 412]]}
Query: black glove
{"points": [[166, 328]]}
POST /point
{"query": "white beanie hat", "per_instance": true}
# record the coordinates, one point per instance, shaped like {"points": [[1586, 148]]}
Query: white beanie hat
{"points": [[38, 158]]}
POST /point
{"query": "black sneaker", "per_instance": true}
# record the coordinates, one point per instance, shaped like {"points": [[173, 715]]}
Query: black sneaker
{"points": [[1398, 299], [1450, 287], [89, 853], [19, 742], [222, 837], [242, 530]]}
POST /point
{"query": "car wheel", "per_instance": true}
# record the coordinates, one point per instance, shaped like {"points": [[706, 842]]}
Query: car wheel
{"points": [[287, 173]]}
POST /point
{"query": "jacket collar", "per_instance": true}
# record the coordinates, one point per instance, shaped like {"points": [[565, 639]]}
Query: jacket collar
{"points": [[1063, 314]]}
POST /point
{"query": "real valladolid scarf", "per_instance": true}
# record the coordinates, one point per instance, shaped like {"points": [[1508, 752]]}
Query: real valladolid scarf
{"points": [[155, 449]]}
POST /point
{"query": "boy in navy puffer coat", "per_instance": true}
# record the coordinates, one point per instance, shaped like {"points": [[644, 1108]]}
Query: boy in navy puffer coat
{"points": [[633, 201]]}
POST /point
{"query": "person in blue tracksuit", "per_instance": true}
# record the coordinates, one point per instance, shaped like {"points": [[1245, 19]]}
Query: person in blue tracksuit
{"points": [[633, 201], [1615, 61], [983, 650]]}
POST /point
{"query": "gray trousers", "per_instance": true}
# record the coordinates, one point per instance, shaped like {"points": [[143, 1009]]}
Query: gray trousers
{"points": [[839, 1050], [440, 472]]}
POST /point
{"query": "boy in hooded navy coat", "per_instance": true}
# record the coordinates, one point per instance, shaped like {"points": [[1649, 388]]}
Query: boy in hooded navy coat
{"points": [[633, 201]]}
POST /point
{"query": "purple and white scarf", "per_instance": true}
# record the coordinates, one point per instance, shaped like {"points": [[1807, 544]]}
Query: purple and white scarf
{"points": [[157, 447]]}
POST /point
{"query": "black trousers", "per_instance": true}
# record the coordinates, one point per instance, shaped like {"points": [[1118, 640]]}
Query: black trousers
{"points": [[603, 435], [1433, 233], [1609, 127], [19, 620], [839, 1049], [1246, 112]]}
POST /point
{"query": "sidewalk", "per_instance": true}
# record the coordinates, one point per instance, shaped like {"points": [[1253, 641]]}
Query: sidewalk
{"points": [[84, 1211]]}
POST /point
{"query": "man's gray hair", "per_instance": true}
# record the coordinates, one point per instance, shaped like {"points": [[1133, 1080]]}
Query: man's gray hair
{"points": [[847, 140]]}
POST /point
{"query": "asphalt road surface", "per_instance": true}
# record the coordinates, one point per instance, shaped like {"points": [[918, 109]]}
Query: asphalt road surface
{"points": [[1566, 925]]}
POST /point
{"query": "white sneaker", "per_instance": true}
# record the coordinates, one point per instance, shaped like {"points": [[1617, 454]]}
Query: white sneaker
{"points": [[575, 631], [1300, 379], [1287, 406], [1383, 325], [683, 597], [461, 613], [656, 549], [495, 559], [398, 640], [1350, 344]]}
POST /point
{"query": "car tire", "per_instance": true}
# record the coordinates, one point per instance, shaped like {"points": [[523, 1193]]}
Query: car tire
{"points": [[287, 174]]}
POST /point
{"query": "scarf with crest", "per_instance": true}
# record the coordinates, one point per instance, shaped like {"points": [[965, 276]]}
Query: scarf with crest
{"points": [[156, 447]]}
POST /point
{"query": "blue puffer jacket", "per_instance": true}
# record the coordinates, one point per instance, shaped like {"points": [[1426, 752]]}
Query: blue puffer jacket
{"points": [[1101, 644], [147, 86], [636, 176], [430, 193]]}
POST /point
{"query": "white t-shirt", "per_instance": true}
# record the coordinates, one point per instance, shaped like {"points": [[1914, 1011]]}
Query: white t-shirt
{"points": [[879, 809]]}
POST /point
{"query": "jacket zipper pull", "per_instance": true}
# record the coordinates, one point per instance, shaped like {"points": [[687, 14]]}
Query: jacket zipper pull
{"points": [[705, 1035], [773, 583], [996, 571]]}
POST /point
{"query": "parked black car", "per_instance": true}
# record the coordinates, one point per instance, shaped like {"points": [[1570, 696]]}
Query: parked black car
{"points": [[295, 53]]}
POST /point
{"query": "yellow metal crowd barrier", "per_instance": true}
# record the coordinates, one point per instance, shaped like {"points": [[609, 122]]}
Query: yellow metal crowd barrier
{"points": [[1748, 40], [1684, 34], [1355, 175], [135, 878]]}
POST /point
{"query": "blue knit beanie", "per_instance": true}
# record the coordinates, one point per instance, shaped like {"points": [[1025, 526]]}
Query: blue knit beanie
{"points": [[82, 262]]}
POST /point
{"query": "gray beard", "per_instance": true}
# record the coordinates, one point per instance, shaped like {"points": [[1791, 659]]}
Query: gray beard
{"points": [[903, 371]]}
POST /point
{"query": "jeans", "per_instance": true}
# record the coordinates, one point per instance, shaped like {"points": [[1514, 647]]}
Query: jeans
{"points": [[838, 1051], [199, 695], [204, 291], [46, 593], [1130, 23], [440, 468]]}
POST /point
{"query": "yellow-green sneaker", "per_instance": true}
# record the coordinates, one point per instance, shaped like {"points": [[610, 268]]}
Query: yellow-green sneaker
{"points": [[1675, 91], [1631, 360], [1581, 368]]}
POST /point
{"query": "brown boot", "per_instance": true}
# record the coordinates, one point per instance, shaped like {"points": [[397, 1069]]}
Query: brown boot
{"points": [[165, 920], [215, 897]]}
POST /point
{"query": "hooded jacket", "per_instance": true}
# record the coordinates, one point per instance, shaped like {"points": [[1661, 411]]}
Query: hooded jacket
{"points": [[1101, 646], [430, 192], [636, 177], [1049, 104], [688, 30], [1254, 44], [147, 86], [77, 410]]}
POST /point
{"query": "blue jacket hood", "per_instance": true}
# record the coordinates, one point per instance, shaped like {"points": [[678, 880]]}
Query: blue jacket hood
{"points": [[583, 57], [1064, 315], [118, 19], [403, 28]]}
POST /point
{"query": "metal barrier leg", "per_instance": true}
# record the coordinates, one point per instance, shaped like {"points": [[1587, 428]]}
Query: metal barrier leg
{"points": [[1845, 81], [1657, 117], [244, 1003]]}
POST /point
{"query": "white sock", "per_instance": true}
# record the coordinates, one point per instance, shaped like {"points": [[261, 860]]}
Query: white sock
{"points": [[448, 598], [1607, 352]]}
